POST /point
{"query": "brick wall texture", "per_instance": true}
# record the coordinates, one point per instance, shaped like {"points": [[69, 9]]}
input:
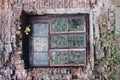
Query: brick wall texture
{"points": [[11, 62]]}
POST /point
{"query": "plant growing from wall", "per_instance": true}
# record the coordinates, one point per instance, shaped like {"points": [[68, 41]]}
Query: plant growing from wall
{"points": [[108, 46], [111, 58]]}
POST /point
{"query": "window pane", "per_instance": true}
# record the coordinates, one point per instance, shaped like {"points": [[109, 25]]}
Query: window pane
{"points": [[40, 44], [59, 57], [40, 58], [40, 29], [76, 41], [59, 25], [76, 57], [76, 24], [59, 41]]}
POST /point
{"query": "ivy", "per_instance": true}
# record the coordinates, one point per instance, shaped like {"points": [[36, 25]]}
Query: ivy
{"points": [[109, 47]]}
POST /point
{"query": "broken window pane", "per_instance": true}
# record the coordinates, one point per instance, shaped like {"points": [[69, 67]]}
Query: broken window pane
{"points": [[59, 25], [76, 24]]}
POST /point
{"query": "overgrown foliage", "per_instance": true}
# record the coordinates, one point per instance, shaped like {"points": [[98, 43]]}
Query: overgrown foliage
{"points": [[108, 63]]}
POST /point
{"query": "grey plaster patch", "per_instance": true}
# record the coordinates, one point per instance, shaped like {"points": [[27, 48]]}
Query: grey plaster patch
{"points": [[1, 45], [118, 19], [63, 11]]}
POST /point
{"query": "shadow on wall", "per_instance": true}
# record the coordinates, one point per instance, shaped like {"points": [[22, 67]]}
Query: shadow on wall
{"points": [[25, 39]]}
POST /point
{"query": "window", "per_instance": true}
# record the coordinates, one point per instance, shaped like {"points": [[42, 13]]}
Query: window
{"points": [[59, 40]]}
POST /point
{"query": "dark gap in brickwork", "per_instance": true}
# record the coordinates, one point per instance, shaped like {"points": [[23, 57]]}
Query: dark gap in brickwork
{"points": [[88, 37], [25, 39]]}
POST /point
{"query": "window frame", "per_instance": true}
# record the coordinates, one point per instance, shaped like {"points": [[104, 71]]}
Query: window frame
{"points": [[47, 19]]}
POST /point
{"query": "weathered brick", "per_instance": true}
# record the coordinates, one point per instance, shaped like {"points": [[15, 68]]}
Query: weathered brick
{"points": [[17, 32], [11, 12], [20, 66], [17, 52]]}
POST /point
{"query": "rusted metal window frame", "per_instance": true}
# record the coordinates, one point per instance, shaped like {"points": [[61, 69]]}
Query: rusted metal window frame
{"points": [[47, 19]]}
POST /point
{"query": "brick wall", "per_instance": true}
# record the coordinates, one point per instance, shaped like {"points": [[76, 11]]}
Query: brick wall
{"points": [[39, 4], [0, 15], [12, 62]]}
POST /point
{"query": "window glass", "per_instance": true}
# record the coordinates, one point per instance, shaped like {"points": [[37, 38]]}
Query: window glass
{"points": [[59, 57], [76, 41], [76, 24], [40, 58], [59, 41], [68, 57], [40, 44], [65, 41], [40, 29], [59, 25], [76, 57]]}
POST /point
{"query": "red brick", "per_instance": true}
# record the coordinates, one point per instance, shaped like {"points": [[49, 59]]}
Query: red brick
{"points": [[18, 32], [19, 66], [14, 25]]}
